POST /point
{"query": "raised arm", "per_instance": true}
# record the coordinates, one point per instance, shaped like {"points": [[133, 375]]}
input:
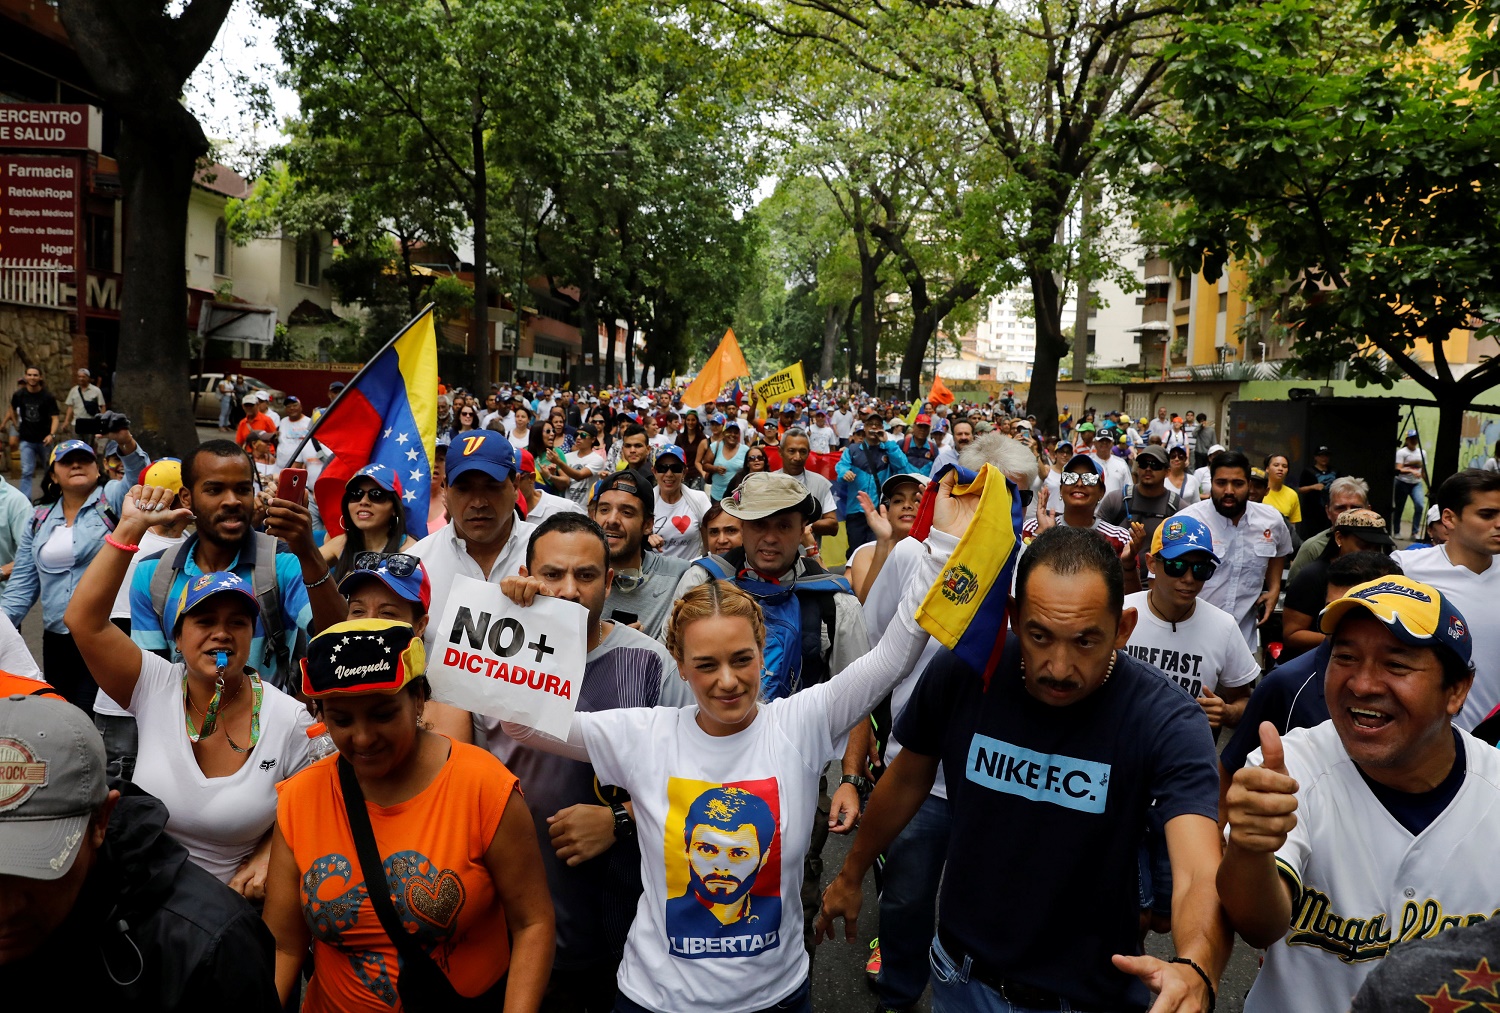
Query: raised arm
{"points": [[112, 657]]}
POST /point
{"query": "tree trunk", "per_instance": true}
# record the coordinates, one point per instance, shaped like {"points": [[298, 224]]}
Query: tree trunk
{"points": [[153, 352], [1041, 401], [1081, 300], [479, 337], [1449, 438], [830, 341], [869, 319], [610, 336], [630, 350], [588, 332]]}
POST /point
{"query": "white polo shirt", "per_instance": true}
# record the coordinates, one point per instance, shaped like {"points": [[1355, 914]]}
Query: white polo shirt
{"points": [[1245, 550], [444, 555]]}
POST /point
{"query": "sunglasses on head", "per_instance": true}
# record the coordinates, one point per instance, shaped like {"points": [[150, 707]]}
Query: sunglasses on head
{"points": [[671, 465], [374, 493], [1075, 478], [1202, 570], [398, 564]]}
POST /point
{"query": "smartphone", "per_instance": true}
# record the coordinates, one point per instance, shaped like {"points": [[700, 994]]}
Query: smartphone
{"points": [[621, 616], [292, 485]]}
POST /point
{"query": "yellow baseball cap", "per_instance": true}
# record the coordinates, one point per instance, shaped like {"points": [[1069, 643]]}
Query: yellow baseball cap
{"points": [[1416, 613], [165, 474]]}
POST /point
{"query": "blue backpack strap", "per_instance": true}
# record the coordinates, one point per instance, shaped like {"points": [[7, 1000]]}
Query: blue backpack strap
{"points": [[717, 567]]}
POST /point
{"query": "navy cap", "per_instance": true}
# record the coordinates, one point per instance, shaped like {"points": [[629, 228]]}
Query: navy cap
{"points": [[483, 451]]}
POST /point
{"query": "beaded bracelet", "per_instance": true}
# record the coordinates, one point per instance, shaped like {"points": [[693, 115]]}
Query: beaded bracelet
{"points": [[110, 540]]}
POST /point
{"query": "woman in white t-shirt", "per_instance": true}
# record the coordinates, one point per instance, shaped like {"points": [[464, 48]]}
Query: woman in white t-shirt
{"points": [[214, 738], [675, 527], [725, 793], [900, 497]]}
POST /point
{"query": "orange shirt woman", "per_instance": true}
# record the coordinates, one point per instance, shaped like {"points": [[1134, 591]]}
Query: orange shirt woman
{"points": [[435, 871]]}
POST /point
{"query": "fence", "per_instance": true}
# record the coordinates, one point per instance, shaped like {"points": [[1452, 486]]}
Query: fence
{"points": [[32, 283]]}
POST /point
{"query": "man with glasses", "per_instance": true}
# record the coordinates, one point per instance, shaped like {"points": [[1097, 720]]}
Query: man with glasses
{"points": [[1150, 501], [640, 595], [1195, 645], [679, 510], [1346, 493]]}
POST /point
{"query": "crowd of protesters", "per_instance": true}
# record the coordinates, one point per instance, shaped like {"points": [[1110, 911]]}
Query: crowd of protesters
{"points": [[1225, 700]]}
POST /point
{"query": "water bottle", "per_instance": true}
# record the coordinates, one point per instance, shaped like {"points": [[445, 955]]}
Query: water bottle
{"points": [[320, 742]]}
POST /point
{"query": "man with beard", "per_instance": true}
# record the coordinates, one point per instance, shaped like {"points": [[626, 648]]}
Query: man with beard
{"points": [[728, 834], [485, 539], [641, 593], [297, 598], [1251, 541]]}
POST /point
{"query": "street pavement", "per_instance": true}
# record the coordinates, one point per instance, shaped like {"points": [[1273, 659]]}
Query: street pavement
{"points": [[839, 968]]}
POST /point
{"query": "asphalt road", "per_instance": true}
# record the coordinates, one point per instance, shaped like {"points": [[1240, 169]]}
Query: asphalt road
{"points": [[838, 970]]}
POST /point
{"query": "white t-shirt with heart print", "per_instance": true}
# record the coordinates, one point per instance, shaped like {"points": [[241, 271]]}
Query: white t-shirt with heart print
{"points": [[678, 524]]}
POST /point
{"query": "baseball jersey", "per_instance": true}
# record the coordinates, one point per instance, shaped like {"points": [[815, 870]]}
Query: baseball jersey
{"points": [[1475, 595], [1361, 883]]}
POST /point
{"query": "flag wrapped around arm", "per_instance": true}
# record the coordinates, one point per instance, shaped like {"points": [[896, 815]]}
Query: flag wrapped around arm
{"points": [[386, 415], [965, 610]]}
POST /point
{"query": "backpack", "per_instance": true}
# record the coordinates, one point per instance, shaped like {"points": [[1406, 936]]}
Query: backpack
{"points": [[267, 596], [795, 616], [106, 513], [927, 452]]}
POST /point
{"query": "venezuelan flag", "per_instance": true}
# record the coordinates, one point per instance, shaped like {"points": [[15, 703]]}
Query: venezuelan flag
{"points": [[965, 610], [386, 415]]}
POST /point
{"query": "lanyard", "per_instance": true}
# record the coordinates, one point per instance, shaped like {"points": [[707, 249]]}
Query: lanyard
{"points": [[211, 715]]}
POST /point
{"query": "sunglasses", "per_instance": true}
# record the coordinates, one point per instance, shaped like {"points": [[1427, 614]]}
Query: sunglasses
{"points": [[375, 494], [1177, 567], [674, 467], [398, 564], [1074, 478], [1149, 464]]}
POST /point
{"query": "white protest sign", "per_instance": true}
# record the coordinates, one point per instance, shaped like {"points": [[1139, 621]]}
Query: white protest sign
{"points": [[493, 657]]}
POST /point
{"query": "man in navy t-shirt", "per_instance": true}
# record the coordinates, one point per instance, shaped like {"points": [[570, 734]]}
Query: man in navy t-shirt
{"points": [[1051, 772]]}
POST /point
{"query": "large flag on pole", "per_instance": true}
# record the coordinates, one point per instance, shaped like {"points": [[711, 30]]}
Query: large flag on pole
{"points": [[726, 364], [788, 383], [965, 610], [386, 415]]}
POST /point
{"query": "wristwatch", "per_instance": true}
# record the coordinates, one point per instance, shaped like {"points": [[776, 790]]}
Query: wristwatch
{"points": [[624, 825], [861, 785]]}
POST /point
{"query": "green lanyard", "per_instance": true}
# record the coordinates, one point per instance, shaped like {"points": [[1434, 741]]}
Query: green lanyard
{"points": [[211, 716]]}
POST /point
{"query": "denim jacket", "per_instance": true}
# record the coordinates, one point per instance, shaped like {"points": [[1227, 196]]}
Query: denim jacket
{"points": [[29, 580]]}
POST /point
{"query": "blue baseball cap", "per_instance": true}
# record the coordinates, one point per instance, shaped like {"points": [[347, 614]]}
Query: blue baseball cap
{"points": [[671, 450], [1179, 535], [67, 447], [484, 451], [199, 589], [1093, 463], [399, 571], [717, 419], [380, 474]]}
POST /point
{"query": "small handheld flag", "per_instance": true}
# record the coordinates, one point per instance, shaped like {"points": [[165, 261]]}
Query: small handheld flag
{"points": [[965, 610]]}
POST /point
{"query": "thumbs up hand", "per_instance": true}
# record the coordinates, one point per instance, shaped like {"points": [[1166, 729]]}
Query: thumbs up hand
{"points": [[1261, 804]]}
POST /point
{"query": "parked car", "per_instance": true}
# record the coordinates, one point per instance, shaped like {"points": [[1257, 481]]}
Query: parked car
{"points": [[205, 388]]}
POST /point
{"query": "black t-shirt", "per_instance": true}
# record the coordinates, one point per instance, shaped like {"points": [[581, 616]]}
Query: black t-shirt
{"points": [[34, 414], [1049, 805], [1308, 591]]}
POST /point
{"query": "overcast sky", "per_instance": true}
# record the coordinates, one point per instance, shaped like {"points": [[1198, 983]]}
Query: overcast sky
{"points": [[245, 46]]}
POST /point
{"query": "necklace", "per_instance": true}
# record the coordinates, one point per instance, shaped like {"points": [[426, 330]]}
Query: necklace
{"points": [[216, 706], [1160, 615], [1113, 657]]}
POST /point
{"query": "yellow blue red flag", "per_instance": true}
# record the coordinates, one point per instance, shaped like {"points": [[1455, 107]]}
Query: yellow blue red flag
{"points": [[386, 419], [965, 610]]}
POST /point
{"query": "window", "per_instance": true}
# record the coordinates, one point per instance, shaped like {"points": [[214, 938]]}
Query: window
{"points": [[309, 260], [221, 248], [1223, 302], [1184, 286]]}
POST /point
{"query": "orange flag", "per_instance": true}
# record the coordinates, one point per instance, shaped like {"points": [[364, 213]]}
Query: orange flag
{"points": [[939, 394], [725, 365]]}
